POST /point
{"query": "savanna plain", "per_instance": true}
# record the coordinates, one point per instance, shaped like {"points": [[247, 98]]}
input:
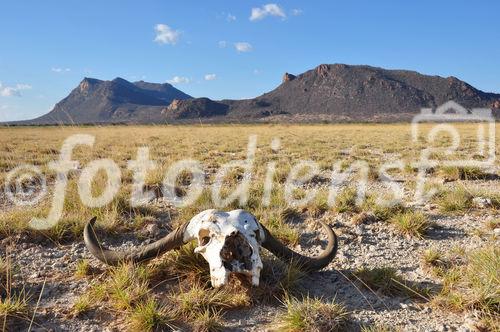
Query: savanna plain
{"points": [[431, 265]]}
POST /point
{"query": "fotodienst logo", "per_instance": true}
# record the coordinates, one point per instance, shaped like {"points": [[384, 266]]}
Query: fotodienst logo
{"points": [[28, 185]]}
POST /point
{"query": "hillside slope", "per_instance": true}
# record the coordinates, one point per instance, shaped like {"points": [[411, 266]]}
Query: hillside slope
{"points": [[347, 93], [116, 101]]}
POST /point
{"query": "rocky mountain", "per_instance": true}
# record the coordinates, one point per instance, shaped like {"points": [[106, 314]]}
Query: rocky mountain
{"points": [[341, 92], [116, 101], [334, 93]]}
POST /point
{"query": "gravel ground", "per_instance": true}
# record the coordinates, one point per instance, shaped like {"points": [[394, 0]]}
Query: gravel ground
{"points": [[42, 265]]}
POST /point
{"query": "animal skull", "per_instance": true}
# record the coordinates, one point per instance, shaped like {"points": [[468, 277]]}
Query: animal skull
{"points": [[229, 241]]}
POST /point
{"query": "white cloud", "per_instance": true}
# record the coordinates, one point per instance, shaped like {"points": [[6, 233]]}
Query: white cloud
{"points": [[230, 17], [271, 9], [210, 77], [257, 71], [178, 80], [8, 91], [222, 43], [296, 12], [243, 47], [166, 35], [60, 70], [23, 86]]}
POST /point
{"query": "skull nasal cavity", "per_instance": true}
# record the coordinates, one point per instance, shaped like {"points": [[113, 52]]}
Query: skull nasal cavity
{"points": [[236, 248]]}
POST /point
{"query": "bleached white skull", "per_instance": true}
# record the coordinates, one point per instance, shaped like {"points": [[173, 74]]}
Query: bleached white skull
{"points": [[229, 241]]}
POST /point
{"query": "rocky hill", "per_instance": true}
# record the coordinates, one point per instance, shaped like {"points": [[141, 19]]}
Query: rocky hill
{"points": [[116, 101], [344, 93], [334, 93]]}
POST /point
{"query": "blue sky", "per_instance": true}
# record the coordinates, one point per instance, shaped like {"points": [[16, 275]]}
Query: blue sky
{"points": [[47, 47]]}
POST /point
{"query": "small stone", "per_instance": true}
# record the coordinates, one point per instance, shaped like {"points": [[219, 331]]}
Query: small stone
{"points": [[481, 202], [426, 310], [360, 229]]}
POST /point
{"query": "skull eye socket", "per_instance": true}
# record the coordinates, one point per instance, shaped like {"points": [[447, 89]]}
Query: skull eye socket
{"points": [[204, 237], [204, 240]]}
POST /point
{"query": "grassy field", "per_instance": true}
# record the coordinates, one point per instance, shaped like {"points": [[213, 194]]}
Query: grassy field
{"points": [[132, 291]]}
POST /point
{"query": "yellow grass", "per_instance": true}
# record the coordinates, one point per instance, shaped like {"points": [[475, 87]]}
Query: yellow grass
{"points": [[212, 146]]}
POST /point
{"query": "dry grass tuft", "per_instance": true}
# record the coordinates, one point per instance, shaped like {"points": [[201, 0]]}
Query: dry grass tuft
{"points": [[346, 201], [384, 213], [458, 200], [83, 268], [278, 279], [4, 271], [14, 305], [380, 328], [312, 315], [492, 224], [195, 299], [473, 283], [208, 321], [411, 223], [434, 262], [454, 173], [276, 222], [151, 316], [127, 286], [180, 264], [83, 304], [387, 281]]}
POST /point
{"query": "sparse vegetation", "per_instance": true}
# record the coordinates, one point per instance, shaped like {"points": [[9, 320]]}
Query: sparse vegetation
{"points": [[434, 261], [82, 304], [150, 316], [174, 289], [492, 224], [462, 173], [379, 328], [182, 263], [386, 280], [346, 201], [278, 279], [411, 223], [384, 213], [4, 269], [312, 315], [454, 201], [14, 305], [197, 299], [127, 286], [208, 321], [83, 268], [14, 302], [473, 283]]}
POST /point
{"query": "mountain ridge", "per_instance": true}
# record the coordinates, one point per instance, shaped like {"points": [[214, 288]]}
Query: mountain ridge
{"points": [[114, 101], [328, 92]]}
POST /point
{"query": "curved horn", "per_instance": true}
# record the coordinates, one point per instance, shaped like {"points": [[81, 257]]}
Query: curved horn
{"points": [[173, 240], [303, 262]]}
